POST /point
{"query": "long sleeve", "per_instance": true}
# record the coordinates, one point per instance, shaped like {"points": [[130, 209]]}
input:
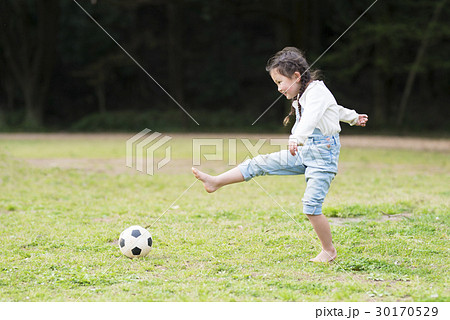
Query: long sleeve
{"points": [[348, 116]]}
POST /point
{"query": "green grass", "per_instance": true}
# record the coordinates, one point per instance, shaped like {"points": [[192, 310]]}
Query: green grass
{"points": [[59, 229]]}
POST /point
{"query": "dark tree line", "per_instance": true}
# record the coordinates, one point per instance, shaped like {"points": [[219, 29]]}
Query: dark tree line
{"points": [[59, 70]]}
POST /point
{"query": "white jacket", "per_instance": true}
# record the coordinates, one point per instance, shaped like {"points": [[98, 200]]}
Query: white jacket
{"points": [[319, 110]]}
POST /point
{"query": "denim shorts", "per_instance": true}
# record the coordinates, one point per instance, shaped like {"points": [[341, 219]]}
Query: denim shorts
{"points": [[317, 160]]}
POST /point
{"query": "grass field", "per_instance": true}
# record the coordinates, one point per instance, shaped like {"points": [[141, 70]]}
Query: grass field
{"points": [[65, 199]]}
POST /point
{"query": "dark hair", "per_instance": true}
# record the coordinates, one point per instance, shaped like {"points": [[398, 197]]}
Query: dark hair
{"points": [[287, 62]]}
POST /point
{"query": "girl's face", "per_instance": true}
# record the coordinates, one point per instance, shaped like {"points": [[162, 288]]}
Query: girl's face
{"points": [[289, 86]]}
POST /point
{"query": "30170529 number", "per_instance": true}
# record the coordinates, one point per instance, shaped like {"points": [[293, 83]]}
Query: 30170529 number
{"points": [[407, 311]]}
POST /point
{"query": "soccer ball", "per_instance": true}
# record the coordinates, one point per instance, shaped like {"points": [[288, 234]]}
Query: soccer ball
{"points": [[135, 242]]}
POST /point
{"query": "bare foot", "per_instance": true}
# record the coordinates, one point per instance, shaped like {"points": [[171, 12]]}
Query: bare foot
{"points": [[208, 181], [325, 256]]}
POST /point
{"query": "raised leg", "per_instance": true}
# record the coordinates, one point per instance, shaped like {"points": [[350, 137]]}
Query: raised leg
{"points": [[212, 183]]}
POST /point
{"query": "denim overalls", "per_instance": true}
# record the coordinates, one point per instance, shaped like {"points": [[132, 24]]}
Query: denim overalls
{"points": [[317, 159]]}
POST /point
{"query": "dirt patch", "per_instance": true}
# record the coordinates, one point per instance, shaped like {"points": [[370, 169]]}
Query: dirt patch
{"points": [[118, 166], [114, 166], [391, 142], [335, 221], [404, 143], [64, 136]]}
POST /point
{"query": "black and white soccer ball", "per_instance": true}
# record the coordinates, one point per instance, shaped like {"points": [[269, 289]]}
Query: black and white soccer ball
{"points": [[135, 242]]}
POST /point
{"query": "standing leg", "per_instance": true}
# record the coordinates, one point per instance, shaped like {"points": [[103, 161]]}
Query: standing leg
{"points": [[323, 231], [317, 186], [212, 183]]}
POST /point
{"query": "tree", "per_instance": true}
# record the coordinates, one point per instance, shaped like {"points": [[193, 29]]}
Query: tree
{"points": [[418, 60], [28, 38], [175, 50], [381, 55]]}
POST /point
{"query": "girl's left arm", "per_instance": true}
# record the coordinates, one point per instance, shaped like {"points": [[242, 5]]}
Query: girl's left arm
{"points": [[347, 115], [362, 120], [352, 117]]}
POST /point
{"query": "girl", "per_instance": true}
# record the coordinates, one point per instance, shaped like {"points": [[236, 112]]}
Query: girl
{"points": [[313, 145]]}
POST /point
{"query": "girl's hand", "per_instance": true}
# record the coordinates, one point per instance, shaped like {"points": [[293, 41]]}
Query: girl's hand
{"points": [[293, 147], [362, 120]]}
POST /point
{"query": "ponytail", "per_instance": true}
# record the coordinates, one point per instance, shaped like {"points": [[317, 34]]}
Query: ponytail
{"points": [[305, 78], [287, 119]]}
